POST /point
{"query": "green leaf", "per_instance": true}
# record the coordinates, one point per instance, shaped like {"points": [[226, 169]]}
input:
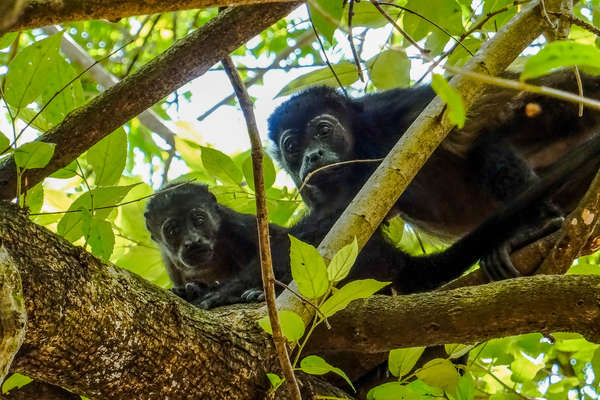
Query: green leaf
{"points": [[465, 389], [445, 13], [189, 151], [291, 323], [321, 12], [308, 269], [99, 235], [402, 361], [561, 54], [268, 171], [523, 370], [7, 39], [28, 71], [360, 289], [315, 365], [108, 157], [60, 95], [275, 381], [456, 108], [365, 14], [152, 268], [71, 224], [220, 166], [67, 172], [345, 71], [393, 391], [440, 373], [394, 229], [34, 154], [35, 198], [342, 262], [15, 381], [457, 350], [4, 141], [584, 269], [390, 69]]}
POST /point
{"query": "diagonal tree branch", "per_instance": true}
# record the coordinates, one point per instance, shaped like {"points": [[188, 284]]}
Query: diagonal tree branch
{"points": [[187, 59], [38, 13], [372, 203]]}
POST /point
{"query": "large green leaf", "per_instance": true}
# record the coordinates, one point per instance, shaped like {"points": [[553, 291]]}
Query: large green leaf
{"points": [[342, 262], [71, 224], [60, 96], [315, 365], [345, 71], [34, 155], [291, 323], [402, 361], [354, 290], [308, 269], [390, 69], [439, 373], [445, 13], [7, 39], [221, 166], [268, 171], [393, 391], [15, 381], [4, 141], [108, 157], [322, 13], [561, 54], [28, 72], [99, 235]]}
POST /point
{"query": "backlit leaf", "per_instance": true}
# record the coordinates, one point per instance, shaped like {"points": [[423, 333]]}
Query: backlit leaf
{"points": [[345, 71], [561, 54], [34, 154], [360, 289], [402, 361], [456, 108], [308, 269], [315, 365]]}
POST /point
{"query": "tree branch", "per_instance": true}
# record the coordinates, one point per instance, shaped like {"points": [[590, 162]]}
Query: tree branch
{"points": [[187, 59], [104, 332], [547, 303], [38, 13]]}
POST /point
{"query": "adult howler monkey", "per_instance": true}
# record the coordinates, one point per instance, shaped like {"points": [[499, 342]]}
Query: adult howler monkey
{"points": [[211, 251], [501, 150]]}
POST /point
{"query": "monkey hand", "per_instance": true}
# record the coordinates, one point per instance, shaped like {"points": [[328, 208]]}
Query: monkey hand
{"points": [[190, 291], [229, 293], [498, 265]]}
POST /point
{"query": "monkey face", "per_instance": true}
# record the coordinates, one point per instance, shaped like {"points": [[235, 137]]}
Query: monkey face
{"points": [[190, 238], [321, 141]]}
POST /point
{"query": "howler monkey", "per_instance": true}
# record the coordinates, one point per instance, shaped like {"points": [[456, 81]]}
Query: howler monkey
{"points": [[211, 251], [501, 150]]}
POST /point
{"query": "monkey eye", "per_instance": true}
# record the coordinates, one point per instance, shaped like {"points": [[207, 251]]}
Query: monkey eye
{"points": [[323, 129], [171, 229], [290, 145], [198, 217]]}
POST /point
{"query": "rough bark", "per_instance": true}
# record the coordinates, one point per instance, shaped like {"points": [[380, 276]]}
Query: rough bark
{"points": [[549, 303], [10, 10], [38, 13], [187, 59], [103, 332], [372, 203], [12, 312]]}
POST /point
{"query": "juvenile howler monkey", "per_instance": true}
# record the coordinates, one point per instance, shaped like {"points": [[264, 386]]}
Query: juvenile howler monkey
{"points": [[211, 251], [501, 150]]}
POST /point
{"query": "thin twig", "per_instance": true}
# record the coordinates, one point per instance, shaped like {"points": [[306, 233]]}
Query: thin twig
{"points": [[398, 28], [337, 78], [305, 301], [546, 16], [167, 166], [579, 88], [144, 43], [351, 40], [320, 169], [266, 263], [580, 23]]}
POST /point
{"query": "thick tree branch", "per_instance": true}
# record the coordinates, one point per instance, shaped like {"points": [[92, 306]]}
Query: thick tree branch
{"points": [[104, 332], [372, 203], [12, 312], [10, 10], [547, 303], [38, 13], [187, 59]]}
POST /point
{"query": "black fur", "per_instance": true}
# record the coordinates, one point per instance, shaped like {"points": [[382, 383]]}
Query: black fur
{"points": [[501, 150], [229, 272]]}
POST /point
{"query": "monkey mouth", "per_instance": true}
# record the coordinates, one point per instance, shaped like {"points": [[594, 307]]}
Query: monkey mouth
{"points": [[196, 259]]}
